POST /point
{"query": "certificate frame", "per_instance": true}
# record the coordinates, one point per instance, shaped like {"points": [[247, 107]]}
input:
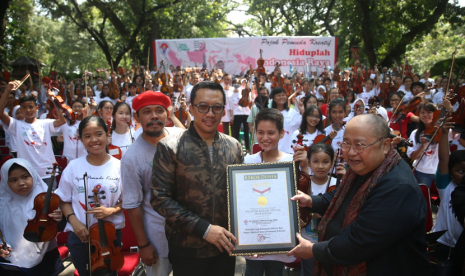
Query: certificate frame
{"points": [[237, 185]]}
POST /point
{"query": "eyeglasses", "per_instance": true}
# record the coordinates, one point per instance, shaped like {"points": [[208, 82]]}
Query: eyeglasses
{"points": [[216, 109], [358, 148], [108, 108]]}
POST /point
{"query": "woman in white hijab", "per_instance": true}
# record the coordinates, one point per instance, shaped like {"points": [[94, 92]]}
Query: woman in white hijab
{"points": [[20, 184], [359, 108]]}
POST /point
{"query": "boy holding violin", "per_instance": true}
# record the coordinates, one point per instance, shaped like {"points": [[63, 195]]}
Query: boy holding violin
{"points": [[33, 135]]}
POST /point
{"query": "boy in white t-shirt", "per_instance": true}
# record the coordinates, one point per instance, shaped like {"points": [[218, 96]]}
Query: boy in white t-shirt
{"points": [[33, 135]]}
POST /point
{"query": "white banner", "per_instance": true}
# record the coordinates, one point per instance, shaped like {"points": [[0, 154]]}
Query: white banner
{"points": [[233, 55]]}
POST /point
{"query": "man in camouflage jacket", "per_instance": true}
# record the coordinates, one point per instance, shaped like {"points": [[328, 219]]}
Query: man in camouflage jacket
{"points": [[189, 188]]}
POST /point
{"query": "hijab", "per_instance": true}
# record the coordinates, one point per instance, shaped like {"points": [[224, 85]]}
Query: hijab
{"points": [[15, 212]]}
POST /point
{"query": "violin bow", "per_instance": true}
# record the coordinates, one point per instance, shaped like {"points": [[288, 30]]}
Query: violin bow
{"points": [[332, 168], [89, 253]]}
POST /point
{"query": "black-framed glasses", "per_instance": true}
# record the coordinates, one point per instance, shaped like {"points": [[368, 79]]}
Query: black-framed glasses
{"points": [[204, 108], [358, 148]]}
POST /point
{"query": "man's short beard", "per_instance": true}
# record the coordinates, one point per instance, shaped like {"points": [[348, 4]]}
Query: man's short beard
{"points": [[154, 133]]}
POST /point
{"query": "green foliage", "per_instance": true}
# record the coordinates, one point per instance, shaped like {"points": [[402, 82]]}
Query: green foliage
{"points": [[434, 51], [16, 40]]}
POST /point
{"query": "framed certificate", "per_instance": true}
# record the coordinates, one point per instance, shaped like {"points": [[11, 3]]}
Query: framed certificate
{"points": [[260, 213]]}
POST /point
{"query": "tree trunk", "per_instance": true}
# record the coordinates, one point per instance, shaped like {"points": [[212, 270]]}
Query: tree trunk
{"points": [[4, 5], [366, 32]]}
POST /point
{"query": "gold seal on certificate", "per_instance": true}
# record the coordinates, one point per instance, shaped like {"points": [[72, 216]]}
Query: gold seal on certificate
{"points": [[262, 201]]}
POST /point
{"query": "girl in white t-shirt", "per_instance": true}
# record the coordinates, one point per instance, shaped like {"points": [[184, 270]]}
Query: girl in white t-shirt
{"points": [[33, 136], [104, 174], [320, 158], [310, 127], [369, 91], [121, 127], [269, 124], [337, 111], [72, 146], [450, 173], [292, 118], [424, 172]]}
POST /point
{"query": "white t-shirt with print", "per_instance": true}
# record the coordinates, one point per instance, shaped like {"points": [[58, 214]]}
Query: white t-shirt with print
{"points": [[71, 143], [339, 136], [34, 143], [234, 103], [308, 141], [446, 219], [106, 177], [123, 141], [253, 159], [310, 231], [430, 160]]}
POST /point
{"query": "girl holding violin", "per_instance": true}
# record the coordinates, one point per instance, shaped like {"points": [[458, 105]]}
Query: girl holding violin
{"points": [[269, 128], [121, 127], [424, 172], [400, 126], [19, 188], [98, 88], [337, 111], [310, 127], [369, 91], [319, 160], [350, 100], [292, 118], [359, 108], [104, 174], [72, 146]]}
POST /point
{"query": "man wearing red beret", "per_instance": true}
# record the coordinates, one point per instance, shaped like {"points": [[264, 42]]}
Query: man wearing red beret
{"points": [[189, 188], [151, 111]]}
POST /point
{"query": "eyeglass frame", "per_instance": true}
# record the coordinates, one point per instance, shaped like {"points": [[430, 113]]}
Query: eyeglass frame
{"points": [[209, 107], [363, 147]]}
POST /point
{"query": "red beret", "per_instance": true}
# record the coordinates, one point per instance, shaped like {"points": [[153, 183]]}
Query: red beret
{"points": [[150, 98]]}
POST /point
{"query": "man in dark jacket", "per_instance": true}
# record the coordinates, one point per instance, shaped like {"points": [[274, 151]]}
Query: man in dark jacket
{"points": [[374, 223], [189, 188]]}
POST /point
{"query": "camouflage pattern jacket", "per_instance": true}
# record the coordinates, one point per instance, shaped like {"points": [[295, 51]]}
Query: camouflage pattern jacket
{"points": [[190, 191]]}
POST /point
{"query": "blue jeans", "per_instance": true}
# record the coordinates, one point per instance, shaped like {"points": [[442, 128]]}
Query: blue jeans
{"points": [[307, 267], [424, 178], [256, 268], [79, 250]]}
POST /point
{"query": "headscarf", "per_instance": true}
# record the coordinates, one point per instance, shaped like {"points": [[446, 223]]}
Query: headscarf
{"points": [[13, 114], [15, 212], [352, 113]]}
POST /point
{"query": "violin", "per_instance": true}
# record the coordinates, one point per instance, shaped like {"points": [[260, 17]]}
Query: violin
{"points": [[105, 256], [433, 132], [165, 79], [396, 133], [4, 244], [169, 122], [260, 62], [113, 150], [304, 185], [403, 109], [326, 138], [407, 69], [6, 75], [245, 100], [43, 228], [458, 117], [181, 114], [68, 112], [177, 87], [337, 73], [277, 80]]}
